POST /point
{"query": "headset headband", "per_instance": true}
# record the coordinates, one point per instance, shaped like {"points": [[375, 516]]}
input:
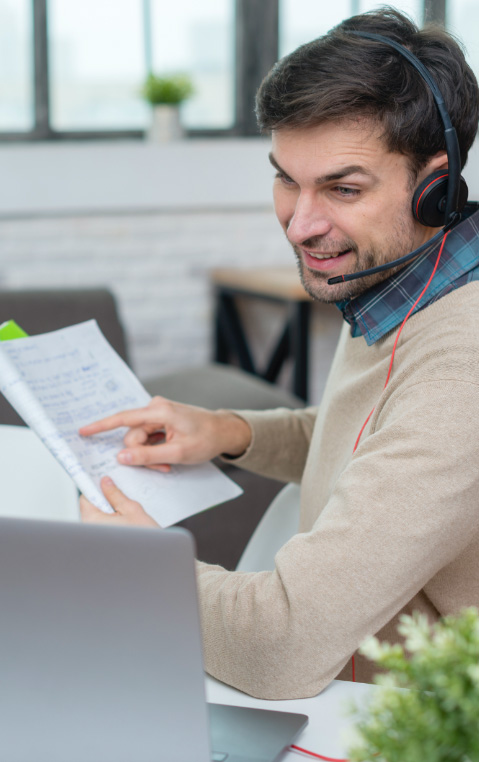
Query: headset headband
{"points": [[452, 143]]}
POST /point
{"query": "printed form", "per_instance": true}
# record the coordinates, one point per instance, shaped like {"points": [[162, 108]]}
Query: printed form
{"points": [[63, 380]]}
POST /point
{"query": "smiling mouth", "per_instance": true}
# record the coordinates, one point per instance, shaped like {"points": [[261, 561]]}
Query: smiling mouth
{"points": [[327, 255]]}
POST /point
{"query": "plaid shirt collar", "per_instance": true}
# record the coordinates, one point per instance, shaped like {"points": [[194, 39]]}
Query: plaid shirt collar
{"points": [[384, 306]]}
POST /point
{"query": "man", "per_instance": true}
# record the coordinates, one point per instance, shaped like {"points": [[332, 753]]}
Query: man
{"points": [[389, 520]]}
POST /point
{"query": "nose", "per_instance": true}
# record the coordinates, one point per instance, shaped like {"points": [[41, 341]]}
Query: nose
{"points": [[309, 220]]}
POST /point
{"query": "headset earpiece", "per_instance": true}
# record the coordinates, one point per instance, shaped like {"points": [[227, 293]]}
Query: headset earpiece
{"points": [[429, 200]]}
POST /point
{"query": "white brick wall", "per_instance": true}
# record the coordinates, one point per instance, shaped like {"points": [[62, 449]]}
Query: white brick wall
{"points": [[157, 266]]}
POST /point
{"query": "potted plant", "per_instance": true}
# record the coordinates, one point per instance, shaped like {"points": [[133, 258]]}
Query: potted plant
{"points": [[165, 95], [437, 719]]}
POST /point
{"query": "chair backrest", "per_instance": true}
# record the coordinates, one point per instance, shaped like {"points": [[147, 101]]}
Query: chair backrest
{"points": [[278, 525], [221, 386], [40, 311], [33, 485]]}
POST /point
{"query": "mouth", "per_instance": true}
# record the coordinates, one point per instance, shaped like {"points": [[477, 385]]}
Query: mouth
{"points": [[327, 255], [324, 260]]}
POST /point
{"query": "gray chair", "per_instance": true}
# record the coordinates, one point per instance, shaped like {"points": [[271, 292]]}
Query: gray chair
{"points": [[217, 386], [279, 523]]}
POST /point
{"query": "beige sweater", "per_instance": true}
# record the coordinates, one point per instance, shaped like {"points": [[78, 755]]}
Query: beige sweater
{"points": [[392, 529]]}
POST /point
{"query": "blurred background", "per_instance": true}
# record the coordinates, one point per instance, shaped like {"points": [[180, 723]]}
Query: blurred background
{"points": [[87, 200]]}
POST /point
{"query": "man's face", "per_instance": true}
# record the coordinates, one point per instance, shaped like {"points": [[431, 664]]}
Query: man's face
{"points": [[344, 202]]}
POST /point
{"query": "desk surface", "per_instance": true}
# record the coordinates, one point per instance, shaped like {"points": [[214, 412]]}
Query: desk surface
{"points": [[278, 282], [330, 719]]}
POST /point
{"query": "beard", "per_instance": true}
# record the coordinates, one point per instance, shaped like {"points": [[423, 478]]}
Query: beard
{"points": [[399, 242]]}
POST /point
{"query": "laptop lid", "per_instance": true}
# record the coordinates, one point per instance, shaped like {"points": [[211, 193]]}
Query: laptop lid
{"points": [[100, 651]]}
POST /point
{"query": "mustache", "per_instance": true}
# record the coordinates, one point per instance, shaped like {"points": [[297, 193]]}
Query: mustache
{"points": [[316, 242]]}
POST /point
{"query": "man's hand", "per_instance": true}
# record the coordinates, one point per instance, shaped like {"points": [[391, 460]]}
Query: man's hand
{"points": [[168, 432], [127, 512]]}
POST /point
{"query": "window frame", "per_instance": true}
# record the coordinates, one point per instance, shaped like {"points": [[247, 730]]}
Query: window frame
{"points": [[256, 50]]}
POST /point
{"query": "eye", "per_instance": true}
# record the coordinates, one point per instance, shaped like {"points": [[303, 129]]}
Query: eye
{"points": [[346, 192], [284, 178]]}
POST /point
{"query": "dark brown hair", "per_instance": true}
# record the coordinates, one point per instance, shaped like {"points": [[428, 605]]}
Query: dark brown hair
{"points": [[340, 76]]}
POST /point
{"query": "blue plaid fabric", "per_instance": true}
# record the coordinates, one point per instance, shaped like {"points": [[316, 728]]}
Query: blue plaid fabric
{"points": [[384, 306]]}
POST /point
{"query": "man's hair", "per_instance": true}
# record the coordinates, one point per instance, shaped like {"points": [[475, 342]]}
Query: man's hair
{"points": [[342, 76]]}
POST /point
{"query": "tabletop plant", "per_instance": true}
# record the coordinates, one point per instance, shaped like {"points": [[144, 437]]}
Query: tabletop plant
{"points": [[437, 719], [167, 90]]}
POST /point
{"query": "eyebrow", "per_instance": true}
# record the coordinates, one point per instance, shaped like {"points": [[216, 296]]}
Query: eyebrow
{"points": [[351, 169]]}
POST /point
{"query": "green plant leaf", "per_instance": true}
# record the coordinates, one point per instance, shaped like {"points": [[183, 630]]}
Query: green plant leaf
{"points": [[437, 718], [168, 90]]}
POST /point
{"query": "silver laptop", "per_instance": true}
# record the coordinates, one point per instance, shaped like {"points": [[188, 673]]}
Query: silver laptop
{"points": [[100, 653]]}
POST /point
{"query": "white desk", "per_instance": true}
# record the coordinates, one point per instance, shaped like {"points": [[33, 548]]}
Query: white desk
{"points": [[44, 490], [329, 714]]}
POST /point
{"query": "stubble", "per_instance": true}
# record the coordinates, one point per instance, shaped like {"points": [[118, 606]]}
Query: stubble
{"points": [[315, 283]]}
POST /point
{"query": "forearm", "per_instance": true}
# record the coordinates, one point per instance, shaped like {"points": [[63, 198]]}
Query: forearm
{"points": [[279, 442], [251, 639]]}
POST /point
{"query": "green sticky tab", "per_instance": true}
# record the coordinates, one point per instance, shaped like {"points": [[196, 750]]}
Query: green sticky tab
{"points": [[10, 330]]}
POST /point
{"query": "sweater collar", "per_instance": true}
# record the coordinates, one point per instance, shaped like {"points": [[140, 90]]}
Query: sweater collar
{"points": [[384, 306]]}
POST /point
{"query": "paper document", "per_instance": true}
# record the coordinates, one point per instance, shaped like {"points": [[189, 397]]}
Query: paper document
{"points": [[63, 380]]}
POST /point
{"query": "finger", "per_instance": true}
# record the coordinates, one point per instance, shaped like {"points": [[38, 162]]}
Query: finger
{"points": [[130, 418], [144, 416], [149, 455], [138, 436], [120, 502], [128, 512], [163, 467], [91, 514]]}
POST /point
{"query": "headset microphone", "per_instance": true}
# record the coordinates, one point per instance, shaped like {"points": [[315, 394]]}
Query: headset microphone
{"points": [[441, 197], [372, 270]]}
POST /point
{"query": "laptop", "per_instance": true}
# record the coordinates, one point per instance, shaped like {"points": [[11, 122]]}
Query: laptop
{"points": [[101, 657]]}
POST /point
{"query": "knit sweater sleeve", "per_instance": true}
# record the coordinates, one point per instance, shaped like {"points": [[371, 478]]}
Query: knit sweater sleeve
{"points": [[280, 442], [403, 509]]}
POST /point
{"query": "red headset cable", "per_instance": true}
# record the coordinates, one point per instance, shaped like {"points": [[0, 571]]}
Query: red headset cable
{"points": [[298, 748], [317, 756], [399, 333]]}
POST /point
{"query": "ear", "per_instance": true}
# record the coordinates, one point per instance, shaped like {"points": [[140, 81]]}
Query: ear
{"points": [[435, 163]]}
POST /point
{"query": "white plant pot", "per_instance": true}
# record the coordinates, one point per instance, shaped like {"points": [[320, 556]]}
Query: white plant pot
{"points": [[165, 124]]}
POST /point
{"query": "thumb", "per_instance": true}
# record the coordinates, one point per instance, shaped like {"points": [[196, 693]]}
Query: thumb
{"points": [[131, 512], [117, 499], [90, 513]]}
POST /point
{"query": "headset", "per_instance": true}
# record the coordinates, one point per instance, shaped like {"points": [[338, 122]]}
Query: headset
{"points": [[441, 197]]}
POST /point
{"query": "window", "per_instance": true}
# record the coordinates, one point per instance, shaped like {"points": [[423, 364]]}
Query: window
{"points": [[463, 20], [301, 21], [304, 20], [16, 65], [198, 38], [92, 56], [100, 51], [413, 8], [97, 64]]}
